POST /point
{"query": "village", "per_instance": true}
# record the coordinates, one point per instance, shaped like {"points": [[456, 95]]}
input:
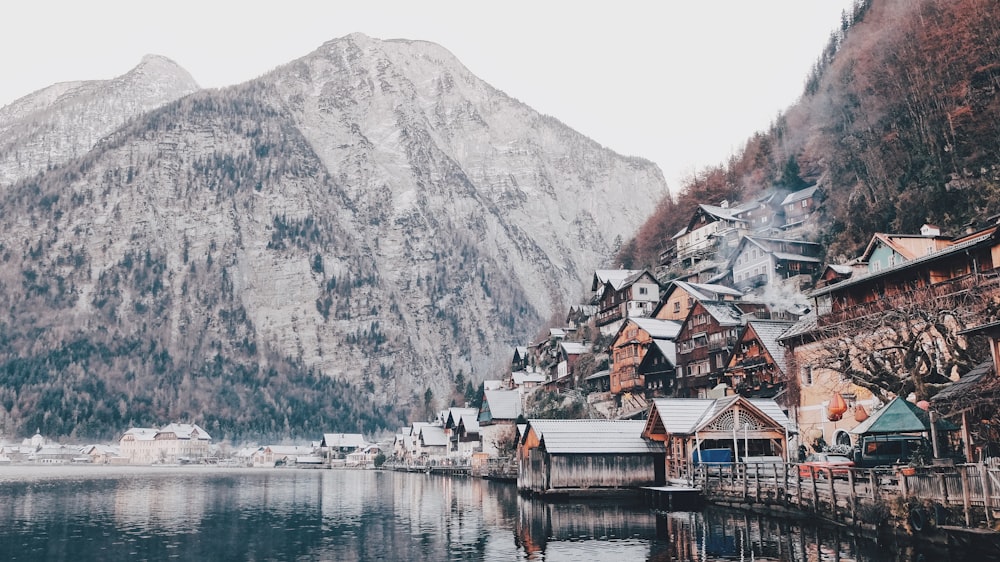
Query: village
{"points": [[742, 369]]}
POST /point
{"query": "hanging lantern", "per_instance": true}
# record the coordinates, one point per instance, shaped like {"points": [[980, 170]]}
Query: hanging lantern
{"points": [[923, 405], [835, 411], [860, 414]]}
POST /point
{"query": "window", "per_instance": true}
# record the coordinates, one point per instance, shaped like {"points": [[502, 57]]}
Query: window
{"points": [[642, 290], [807, 376], [805, 203], [677, 306]]}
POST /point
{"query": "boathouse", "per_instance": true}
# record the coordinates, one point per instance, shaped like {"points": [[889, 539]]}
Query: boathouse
{"points": [[587, 457], [748, 428]]}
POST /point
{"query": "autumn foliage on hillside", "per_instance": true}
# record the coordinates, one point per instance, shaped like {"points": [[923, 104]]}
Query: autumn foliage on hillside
{"points": [[898, 125]]}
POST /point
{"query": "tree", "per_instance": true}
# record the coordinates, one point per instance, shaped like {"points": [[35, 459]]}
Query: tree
{"points": [[912, 343]]}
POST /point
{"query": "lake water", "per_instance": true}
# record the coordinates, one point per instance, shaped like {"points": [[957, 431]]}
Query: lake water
{"points": [[129, 513]]}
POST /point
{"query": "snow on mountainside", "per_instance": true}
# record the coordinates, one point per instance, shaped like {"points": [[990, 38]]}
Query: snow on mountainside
{"points": [[371, 213], [65, 120]]}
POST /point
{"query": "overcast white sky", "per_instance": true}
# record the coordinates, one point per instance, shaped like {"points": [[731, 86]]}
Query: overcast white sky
{"points": [[683, 84]]}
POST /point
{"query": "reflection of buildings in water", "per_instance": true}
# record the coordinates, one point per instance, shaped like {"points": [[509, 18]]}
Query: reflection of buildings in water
{"points": [[145, 504], [586, 527]]}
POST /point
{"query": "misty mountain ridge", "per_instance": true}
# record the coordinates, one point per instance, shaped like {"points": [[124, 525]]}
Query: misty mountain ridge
{"points": [[336, 245]]}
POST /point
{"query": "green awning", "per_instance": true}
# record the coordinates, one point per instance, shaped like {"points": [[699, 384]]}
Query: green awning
{"points": [[900, 416]]}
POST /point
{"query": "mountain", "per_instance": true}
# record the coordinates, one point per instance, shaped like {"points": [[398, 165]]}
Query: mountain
{"points": [[336, 245], [65, 120], [898, 126]]}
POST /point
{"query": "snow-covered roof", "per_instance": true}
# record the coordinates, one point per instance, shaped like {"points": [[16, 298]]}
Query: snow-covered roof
{"points": [[522, 377], [433, 436], [593, 436], [575, 348], [725, 313], [455, 415], [343, 440], [289, 450], [668, 349], [768, 332], [186, 431], [502, 404], [142, 433], [685, 416], [658, 329], [613, 276]]}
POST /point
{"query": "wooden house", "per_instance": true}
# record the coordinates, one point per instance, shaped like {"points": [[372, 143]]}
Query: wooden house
{"points": [[458, 444], [687, 427], [630, 297], [709, 230], [629, 347], [706, 339], [761, 262], [679, 298], [798, 205], [757, 365], [579, 456], [658, 367]]}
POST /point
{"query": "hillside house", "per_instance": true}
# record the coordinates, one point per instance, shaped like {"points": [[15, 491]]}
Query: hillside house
{"points": [[658, 367], [632, 297], [798, 205], [757, 366], [761, 262], [709, 233], [629, 348], [569, 354], [679, 297], [520, 361], [566, 456], [706, 339]]}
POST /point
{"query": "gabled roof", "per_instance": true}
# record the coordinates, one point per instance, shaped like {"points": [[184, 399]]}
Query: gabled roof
{"points": [[186, 431], [433, 436], [141, 433], [686, 416], [522, 377], [341, 440], [900, 416], [668, 349], [657, 329], [593, 436], [983, 237], [501, 405], [724, 312], [469, 424], [799, 195], [574, 348], [805, 325], [598, 375], [455, 416], [290, 450], [767, 333], [965, 384], [613, 276]]}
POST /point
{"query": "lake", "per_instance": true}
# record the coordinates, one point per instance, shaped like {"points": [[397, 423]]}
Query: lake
{"points": [[103, 513]]}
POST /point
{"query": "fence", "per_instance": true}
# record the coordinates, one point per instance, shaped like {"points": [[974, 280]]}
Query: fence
{"points": [[958, 495]]}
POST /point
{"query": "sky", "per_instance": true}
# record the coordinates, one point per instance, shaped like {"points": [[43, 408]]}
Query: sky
{"points": [[683, 84]]}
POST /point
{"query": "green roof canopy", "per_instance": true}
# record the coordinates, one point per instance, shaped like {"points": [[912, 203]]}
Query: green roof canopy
{"points": [[900, 416]]}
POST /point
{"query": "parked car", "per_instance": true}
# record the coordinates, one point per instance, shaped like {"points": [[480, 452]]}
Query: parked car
{"points": [[823, 464]]}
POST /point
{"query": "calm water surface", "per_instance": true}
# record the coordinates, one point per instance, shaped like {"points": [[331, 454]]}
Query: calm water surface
{"points": [[128, 513]]}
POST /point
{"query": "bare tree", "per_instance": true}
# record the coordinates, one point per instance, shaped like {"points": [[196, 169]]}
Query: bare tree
{"points": [[906, 343]]}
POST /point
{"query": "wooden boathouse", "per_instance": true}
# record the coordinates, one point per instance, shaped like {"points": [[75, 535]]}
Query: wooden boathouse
{"points": [[587, 457], [746, 428]]}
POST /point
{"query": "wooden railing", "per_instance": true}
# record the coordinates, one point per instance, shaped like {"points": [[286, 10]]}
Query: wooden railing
{"points": [[964, 495]]}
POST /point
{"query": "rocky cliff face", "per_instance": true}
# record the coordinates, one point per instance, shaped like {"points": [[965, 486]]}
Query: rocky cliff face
{"points": [[51, 126], [332, 246]]}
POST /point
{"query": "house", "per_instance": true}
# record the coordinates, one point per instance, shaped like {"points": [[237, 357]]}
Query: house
{"points": [[580, 315], [431, 442], [757, 366], [497, 417], [182, 442], [761, 262], [690, 427], [835, 273], [520, 361], [456, 444], [709, 231], [138, 445], [658, 367], [798, 205], [339, 445], [570, 456], [679, 297], [569, 353], [629, 347], [706, 339], [629, 297], [271, 456]]}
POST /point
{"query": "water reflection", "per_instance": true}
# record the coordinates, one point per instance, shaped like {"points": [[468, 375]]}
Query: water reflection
{"points": [[101, 513]]}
